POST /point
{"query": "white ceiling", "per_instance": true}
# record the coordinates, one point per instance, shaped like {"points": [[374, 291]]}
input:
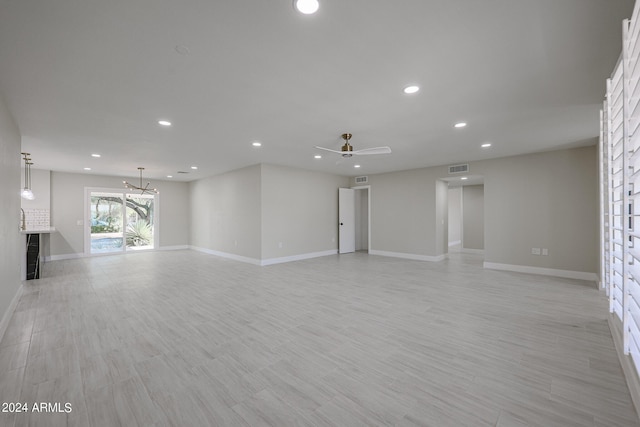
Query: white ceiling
{"points": [[95, 76]]}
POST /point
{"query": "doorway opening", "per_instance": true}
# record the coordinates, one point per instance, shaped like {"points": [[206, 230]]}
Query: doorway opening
{"points": [[454, 222], [362, 221], [465, 214], [354, 219]]}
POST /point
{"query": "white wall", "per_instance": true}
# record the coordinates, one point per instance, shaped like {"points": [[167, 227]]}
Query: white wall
{"points": [[299, 210], [403, 213], [67, 208], [455, 215], [225, 212], [266, 212], [545, 200], [473, 217], [11, 250]]}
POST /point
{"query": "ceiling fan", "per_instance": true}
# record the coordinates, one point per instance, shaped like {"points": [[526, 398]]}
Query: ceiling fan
{"points": [[348, 151]]}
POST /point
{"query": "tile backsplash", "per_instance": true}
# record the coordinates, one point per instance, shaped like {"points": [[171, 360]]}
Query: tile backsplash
{"points": [[37, 219]]}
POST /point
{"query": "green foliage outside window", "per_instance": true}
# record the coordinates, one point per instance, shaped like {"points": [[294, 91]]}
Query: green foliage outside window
{"points": [[139, 233]]}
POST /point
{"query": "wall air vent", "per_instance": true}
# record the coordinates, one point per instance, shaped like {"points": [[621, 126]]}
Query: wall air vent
{"points": [[458, 168], [362, 179]]}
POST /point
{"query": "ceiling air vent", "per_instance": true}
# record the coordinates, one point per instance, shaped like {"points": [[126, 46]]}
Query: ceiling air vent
{"points": [[459, 168], [182, 172], [362, 179]]}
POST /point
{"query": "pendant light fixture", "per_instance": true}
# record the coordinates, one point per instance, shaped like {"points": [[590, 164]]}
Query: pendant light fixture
{"points": [[26, 192], [144, 189]]}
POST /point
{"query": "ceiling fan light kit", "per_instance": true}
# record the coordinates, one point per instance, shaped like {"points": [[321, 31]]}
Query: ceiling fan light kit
{"points": [[348, 151]]}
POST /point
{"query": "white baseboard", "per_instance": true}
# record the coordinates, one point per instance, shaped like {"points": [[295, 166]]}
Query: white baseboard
{"points": [[271, 261], [628, 368], [227, 255], [4, 323], [472, 251], [174, 248], [264, 262], [82, 255], [63, 256], [568, 274], [409, 256], [457, 242]]}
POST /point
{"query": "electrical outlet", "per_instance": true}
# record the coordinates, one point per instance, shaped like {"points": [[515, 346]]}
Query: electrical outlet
{"points": [[80, 222], [535, 251], [545, 251], [280, 245]]}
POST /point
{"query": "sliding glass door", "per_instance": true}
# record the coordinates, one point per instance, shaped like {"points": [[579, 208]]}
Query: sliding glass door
{"points": [[120, 221], [139, 221], [107, 226]]}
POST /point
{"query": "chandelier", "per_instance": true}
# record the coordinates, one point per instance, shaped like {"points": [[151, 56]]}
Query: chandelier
{"points": [[143, 190]]}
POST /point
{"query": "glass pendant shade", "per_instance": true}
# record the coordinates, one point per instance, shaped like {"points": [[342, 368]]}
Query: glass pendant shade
{"points": [[26, 192]]}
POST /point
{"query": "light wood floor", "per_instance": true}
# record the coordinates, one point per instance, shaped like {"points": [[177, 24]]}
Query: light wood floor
{"points": [[187, 339]]}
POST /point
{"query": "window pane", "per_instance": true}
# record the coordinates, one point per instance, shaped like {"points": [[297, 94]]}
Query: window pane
{"points": [[106, 222], [139, 233]]}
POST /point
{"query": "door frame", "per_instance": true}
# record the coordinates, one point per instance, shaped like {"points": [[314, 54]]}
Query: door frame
{"points": [[124, 192], [346, 220], [368, 188]]}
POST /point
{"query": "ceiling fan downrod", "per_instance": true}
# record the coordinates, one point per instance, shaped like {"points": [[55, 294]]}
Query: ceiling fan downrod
{"points": [[347, 148]]}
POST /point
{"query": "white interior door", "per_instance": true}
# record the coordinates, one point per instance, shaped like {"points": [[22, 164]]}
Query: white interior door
{"points": [[347, 220]]}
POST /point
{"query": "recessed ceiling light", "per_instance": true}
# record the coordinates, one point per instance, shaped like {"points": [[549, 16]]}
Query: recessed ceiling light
{"points": [[169, 176], [256, 144], [95, 155], [194, 167], [164, 123], [486, 145], [460, 125], [307, 6], [317, 156], [464, 178], [411, 89], [356, 166], [87, 169]]}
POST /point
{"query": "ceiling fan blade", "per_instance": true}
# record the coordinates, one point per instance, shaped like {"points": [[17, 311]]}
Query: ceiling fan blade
{"points": [[328, 149], [376, 150]]}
